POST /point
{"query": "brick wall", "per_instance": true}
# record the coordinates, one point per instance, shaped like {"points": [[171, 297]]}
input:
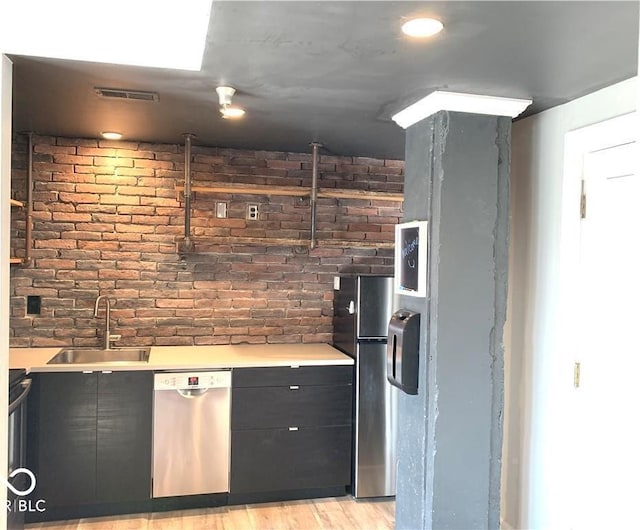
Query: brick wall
{"points": [[107, 217]]}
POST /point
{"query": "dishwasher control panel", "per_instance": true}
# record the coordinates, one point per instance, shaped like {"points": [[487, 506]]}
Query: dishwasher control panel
{"points": [[192, 380]]}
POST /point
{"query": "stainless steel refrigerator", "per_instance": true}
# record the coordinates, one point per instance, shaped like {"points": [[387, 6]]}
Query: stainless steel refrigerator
{"points": [[362, 309]]}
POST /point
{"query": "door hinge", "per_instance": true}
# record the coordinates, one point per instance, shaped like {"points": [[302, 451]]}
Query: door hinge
{"points": [[576, 375], [583, 202]]}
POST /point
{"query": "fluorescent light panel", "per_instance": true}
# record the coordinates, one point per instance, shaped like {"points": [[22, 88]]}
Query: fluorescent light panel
{"points": [[156, 33], [458, 102]]}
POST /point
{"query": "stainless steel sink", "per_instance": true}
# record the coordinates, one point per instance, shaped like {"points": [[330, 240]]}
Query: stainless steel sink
{"points": [[93, 355]]}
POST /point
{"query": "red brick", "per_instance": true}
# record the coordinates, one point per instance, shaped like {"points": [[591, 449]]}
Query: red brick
{"points": [[118, 274], [118, 144], [112, 161], [56, 243], [119, 199], [95, 188], [135, 153], [95, 151], [133, 172], [87, 198], [72, 159], [284, 164], [54, 168], [56, 264], [154, 164], [180, 303], [86, 142], [136, 190], [54, 149]]}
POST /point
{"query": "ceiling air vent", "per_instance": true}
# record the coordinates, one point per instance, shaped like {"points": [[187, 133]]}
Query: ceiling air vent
{"points": [[123, 93]]}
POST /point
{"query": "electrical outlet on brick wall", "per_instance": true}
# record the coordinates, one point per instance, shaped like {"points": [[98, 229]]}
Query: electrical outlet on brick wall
{"points": [[252, 212]]}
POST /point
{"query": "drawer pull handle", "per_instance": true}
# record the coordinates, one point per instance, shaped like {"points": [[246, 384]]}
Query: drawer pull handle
{"points": [[294, 387], [107, 371], [293, 428], [87, 371], [295, 366]]}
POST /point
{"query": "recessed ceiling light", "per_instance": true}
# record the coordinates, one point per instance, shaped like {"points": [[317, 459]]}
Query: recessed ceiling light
{"points": [[230, 113], [422, 27], [111, 135]]}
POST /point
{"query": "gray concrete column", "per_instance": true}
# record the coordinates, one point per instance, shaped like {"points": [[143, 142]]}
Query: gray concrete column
{"points": [[450, 434]]}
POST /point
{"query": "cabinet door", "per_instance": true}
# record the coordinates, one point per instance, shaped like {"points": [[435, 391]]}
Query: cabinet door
{"points": [[124, 436], [280, 459], [62, 437], [291, 406]]}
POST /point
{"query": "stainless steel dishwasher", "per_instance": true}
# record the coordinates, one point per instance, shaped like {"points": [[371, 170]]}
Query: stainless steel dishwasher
{"points": [[191, 432]]}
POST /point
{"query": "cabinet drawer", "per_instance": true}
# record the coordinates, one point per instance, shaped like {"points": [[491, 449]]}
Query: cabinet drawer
{"points": [[280, 459], [290, 406], [286, 375]]}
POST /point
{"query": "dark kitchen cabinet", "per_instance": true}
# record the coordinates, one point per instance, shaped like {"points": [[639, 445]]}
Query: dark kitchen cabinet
{"points": [[89, 439], [62, 435], [290, 430], [123, 464]]}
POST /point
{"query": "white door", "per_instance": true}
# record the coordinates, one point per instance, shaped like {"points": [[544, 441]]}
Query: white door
{"points": [[606, 401]]}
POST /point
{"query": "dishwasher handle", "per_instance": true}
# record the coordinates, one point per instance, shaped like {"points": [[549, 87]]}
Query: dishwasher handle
{"points": [[192, 393]]}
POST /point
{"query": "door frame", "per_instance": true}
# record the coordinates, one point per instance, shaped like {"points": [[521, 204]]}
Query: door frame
{"points": [[622, 129]]}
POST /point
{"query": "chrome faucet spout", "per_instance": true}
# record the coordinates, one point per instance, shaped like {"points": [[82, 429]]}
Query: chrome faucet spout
{"points": [[107, 319]]}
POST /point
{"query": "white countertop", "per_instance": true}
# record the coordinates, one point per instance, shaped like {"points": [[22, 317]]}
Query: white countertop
{"points": [[193, 358]]}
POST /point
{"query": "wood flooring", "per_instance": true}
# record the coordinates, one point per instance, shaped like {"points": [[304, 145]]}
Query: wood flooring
{"points": [[342, 513]]}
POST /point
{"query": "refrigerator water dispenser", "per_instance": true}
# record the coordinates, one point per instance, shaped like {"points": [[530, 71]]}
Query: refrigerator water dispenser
{"points": [[403, 346]]}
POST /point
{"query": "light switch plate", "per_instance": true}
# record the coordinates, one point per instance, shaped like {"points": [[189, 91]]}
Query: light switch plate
{"points": [[336, 283], [221, 210]]}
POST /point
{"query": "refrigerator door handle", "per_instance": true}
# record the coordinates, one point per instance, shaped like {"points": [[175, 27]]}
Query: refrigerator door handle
{"points": [[392, 349]]}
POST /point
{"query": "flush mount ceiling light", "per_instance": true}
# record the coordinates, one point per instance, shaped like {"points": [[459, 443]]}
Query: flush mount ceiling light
{"points": [[140, 33], [230, 113], [111, 135], [459, 102], [225, 93], [422, 27]]}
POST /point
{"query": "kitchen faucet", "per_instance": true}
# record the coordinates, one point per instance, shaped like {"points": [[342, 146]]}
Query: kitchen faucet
{"points": [[108, 337]]}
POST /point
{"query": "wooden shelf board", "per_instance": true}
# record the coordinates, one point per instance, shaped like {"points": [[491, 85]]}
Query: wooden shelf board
{"points": [[248, 189], [19, 204], [361, 194], [237, 240], [347, 243], [274, 241], [257, 189]]}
